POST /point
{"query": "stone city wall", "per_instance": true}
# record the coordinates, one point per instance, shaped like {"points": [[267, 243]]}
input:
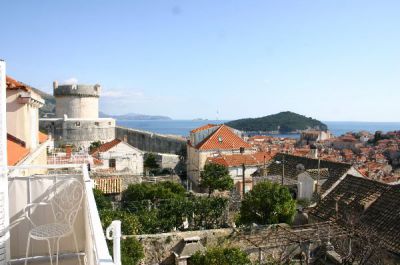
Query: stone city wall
{"points": [[152, 142]]}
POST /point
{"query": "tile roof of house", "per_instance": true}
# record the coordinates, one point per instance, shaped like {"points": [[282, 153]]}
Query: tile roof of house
{"points": [[235, 160], [335, 169], [16, 150], [202, 128], [374, 204], [105, 147], [223, 139], [13, 84], [110, 185], [43, 137]]}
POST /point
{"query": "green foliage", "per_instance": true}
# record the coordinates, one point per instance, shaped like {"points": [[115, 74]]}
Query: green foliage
{"points": [[267, 203], [207, 212], [131, 251], [129, 223], [102, 201], [216, 177], [152, 192], [163, 206], [284, 122], [94, 145], [220, 256], [150, 162]]}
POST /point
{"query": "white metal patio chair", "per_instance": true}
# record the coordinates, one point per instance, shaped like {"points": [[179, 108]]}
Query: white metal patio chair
{"points": [[65, 198]]}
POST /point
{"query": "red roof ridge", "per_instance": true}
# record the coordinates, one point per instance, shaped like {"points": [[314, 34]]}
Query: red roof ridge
{"points": [[12, 84], [204, 127], [223, 138], [106, 146]]}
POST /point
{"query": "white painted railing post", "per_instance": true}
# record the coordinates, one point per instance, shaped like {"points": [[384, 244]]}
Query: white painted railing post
{"points": [[115, 229]]}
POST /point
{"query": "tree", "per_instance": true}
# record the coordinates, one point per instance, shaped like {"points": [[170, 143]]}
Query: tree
{"points": [[267, 203], [131, 251], [94, 145], [129, 223], [208, 212], [220, 256], [102, 201], [152, 192], [159, 207], [216, 177], [150, 163]]}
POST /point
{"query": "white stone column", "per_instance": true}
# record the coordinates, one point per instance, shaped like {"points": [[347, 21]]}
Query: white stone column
{"points": [[4, 214]]}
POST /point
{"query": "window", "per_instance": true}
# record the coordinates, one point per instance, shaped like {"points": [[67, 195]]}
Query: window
{"points": [[96, 123], [78, 124], [111, 163]]}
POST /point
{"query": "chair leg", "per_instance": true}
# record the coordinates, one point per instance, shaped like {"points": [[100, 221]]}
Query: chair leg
{"points": [[50, 254], [58, 249], [76, 247], [27, 249]]}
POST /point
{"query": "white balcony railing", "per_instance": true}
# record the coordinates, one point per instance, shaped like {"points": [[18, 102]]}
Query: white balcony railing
{"points": [[31, 188]]}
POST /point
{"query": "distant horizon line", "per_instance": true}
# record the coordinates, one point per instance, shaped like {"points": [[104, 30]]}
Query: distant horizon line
{"points": [[226, 120]]}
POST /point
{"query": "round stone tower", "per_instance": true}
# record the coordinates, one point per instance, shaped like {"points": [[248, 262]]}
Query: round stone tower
{"points": [[77, 101]]}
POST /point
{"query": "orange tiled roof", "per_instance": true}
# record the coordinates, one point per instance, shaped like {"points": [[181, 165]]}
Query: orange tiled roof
{"points": [[202, 128], [43, 137], [106, 146], [240, 159], [13, 84], [109, 185], [15, 151], [222, 139]]}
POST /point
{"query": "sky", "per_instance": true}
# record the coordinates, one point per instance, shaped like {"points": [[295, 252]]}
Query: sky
{"points": [[331, 60]]}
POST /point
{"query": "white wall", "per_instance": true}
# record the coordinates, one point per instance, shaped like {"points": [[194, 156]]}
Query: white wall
{"points": [[77, 107], [126, 158], [306, 186]]}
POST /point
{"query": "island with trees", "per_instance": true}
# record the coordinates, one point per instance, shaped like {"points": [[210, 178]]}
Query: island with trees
{"points": [[283, 122]]}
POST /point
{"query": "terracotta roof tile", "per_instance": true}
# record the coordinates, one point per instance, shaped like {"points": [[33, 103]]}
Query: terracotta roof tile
{"points": [[202, 128], [15, 151], [43, 137], [223, 139], [105, 147], [13, 84], [109, 185], [239, 159]]}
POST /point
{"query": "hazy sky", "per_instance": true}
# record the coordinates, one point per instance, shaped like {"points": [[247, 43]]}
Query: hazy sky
{"points": [[332, 60]]}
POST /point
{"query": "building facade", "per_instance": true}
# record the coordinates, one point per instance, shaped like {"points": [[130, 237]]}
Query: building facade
{"points": [[212, 141]]}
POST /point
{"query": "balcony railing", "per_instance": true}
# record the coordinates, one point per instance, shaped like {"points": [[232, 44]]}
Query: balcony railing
{"points": [[25, 189]]}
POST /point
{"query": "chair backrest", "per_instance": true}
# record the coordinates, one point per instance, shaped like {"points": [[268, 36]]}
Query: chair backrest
{"points": [[65, 198]]}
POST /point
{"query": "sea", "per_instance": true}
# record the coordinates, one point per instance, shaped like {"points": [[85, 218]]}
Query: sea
{"points": [[183, 127]]}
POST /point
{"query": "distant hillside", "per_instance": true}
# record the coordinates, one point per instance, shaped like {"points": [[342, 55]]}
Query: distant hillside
{"points": [[134, 116], [49, 105], [283, 122]]}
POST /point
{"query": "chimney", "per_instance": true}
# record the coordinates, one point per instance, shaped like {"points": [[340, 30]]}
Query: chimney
{"points": [[68, 150], [55, 84]]}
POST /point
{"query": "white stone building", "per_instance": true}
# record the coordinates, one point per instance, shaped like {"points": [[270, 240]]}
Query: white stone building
{"points": [[118, 155]]}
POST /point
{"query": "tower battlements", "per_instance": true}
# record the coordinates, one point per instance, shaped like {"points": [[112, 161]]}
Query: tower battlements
{"points": [[77, 101], [77, 90]]}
